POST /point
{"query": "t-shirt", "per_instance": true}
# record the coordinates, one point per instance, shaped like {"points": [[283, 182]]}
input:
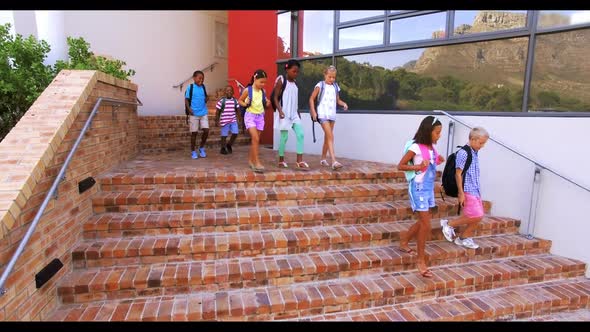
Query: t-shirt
{"points": [[256, 106], [417, 160], [327, 107], [228, 115], [198, 102]]}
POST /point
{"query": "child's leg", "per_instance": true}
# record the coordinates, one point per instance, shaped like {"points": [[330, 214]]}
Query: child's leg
{"points": [[254, 139], [223, 141], [232, 139], [424, 222], [326, 140], [299, 135], [282, 143], [194, 141], [257, 156], [204, 137], [412, 232], [328, 127], [472, 214]]}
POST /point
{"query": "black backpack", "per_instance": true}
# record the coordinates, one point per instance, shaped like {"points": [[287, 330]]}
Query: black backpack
{"points": [[272, 95], [190, 97], [449, 183]]}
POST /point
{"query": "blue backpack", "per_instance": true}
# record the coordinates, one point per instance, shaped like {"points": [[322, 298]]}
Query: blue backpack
{"points": [[250, 93]]}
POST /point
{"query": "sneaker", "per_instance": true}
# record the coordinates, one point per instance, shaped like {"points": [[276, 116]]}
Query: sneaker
{"points": [[194, 155], [448, 231], [229, 150], [223, 150], [467, 243], [202, 152]]}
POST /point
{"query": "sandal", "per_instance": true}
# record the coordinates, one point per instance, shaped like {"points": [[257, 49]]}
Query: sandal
{"points": [[336, 165], [324, 162], [282, 164], [426, 273], [302, 165]]}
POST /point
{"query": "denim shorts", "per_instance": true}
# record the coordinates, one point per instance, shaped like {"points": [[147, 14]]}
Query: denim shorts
{"points": [[321, 121], [421, 198], [232, 126]]}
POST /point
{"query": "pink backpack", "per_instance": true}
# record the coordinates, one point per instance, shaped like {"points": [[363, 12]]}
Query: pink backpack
{"points": [[426, 154]]}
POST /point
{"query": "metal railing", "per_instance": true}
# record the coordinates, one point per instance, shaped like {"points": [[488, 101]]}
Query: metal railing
{"points": [[241, 86], [52, 193], [536, 177], [181, 84]]}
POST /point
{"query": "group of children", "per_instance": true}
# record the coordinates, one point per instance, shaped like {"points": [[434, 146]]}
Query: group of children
{"points": [[419, 160], [249, 109]]}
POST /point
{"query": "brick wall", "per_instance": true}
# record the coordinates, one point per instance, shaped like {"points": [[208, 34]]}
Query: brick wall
{"points": [[30, 158]]}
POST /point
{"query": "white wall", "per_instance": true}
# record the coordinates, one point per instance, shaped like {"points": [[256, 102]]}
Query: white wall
{"points": [[563, 210], [164, 48], [6, 16], [50, 27]]}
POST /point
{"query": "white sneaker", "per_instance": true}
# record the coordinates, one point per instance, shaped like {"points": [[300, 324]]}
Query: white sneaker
{"points": [[467, 243], [448, 231]]}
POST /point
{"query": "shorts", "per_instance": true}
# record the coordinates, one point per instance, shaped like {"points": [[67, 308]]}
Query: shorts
{"points": [[198, 122], [321, 121], [232, 126], [254, 120], [421, 199], [473, 207]]}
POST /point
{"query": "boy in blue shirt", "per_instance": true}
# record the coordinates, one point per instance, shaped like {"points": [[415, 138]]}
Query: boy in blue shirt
{"points": [[197, 110]]}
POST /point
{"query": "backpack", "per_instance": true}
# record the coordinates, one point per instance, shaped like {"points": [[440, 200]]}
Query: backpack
{"points": [[410, 175], [449, 183], [250, 93], [272, 95], [321, 94], [190, 97]]}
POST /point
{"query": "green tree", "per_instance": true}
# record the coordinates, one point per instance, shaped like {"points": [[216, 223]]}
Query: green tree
{"points": [[23, 76]]}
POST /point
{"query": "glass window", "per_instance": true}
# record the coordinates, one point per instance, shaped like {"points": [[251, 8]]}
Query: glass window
{"points": [[430, 26], [482, 76], [310, 73], [555, 18], [560, 80], [477, 21], [361, 36], [351, 15], [284, 35], [318, 32]]}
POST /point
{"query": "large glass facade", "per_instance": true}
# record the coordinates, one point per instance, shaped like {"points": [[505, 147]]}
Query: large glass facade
{"points": [[284, 36], [318, 32], [408, 60]]}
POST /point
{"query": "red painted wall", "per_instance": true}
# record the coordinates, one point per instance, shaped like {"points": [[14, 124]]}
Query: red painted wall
{"points": [[252, 44]]}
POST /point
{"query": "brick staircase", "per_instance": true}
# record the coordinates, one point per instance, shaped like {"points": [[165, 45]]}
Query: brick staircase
{"points": [[180, 239]]}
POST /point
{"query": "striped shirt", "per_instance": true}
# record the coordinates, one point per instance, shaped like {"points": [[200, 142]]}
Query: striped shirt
{"points": [[471, 185], [228, 115]]}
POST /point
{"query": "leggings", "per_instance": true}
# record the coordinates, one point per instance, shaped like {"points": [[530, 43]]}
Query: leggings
{"points": [[285, 134]]}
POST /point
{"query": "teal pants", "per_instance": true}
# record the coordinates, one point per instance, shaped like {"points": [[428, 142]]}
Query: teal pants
{"points": [[298, 129]]}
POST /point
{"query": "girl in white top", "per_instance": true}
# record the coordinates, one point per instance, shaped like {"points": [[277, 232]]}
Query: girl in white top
{"points": [[327, 100], [289, 117]]}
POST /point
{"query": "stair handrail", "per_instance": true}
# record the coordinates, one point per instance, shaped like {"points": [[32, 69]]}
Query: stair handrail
{"points": [[52, 193], [530, 225], [517, 152], [181, 84], [240, 85]]}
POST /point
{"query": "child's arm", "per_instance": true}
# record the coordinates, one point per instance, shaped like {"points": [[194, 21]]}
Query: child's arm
{"points": [[441, 160], [277, 90], [459, 179], [312, 98], [244, 100], [341, 102], [268, 104], [188, 107], [217, 116], [238, 114], [403, 163]]}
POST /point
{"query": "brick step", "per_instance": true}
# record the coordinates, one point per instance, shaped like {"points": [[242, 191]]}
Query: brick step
{"points": [[140, 175], [176, 277], [311, 298], [178, 133], [210, 246], [509, 303], [151, 146], [109, 225], [220, 198], [581, 315]]}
